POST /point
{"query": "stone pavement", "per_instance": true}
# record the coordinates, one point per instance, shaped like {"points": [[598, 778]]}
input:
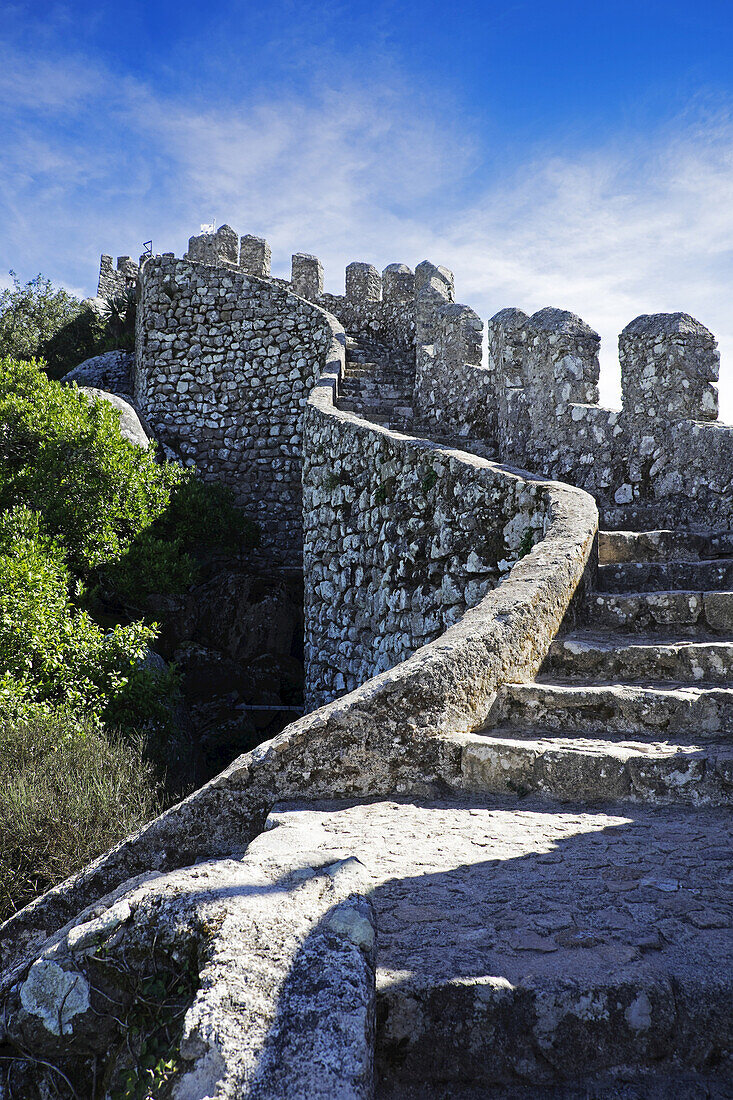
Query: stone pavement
{"points": [[531, 945]]}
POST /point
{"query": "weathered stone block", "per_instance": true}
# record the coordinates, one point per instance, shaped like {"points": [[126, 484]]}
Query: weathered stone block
{"points": [[255, 256], [363, 283], [306, 275]]}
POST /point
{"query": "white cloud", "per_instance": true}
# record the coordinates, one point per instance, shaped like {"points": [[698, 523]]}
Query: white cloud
{"points": [[618, 232], [377, 174]]}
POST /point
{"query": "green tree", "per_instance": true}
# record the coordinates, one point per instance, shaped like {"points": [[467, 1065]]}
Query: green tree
{"points": [[31, 313], [50, 651]]}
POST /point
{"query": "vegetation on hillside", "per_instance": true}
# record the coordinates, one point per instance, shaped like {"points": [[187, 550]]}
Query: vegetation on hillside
{"points": [[81, 708], [40, 321], [68, 791]]}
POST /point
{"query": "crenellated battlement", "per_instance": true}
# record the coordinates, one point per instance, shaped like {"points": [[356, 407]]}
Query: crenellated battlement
{"points": [[659, 454], [116, 280], [535, 402]]}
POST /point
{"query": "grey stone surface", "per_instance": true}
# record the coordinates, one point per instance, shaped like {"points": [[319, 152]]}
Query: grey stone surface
{"points": [[307, 275], [112, 371], [224, 363], [661, 460], [398, 283], [216, 249], [540, 945], [255, 256], [285, 941], [115, 281], [132, 427], [363, 282]]}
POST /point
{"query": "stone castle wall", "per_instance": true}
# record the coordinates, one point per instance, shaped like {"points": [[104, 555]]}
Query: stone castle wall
{"points": [[224, 364], [454, 392], [533, 403], [114, 281], [226, 355], [402, 730], [401, 537], [661, 457]]}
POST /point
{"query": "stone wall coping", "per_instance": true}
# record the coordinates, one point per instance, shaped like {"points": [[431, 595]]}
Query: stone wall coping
{"points": [[392, 734], [667, 324]]}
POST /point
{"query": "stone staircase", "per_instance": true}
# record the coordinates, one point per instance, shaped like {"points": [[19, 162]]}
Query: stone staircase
{"points": [[377, 383], [637, 701], [564, 929], [597, 961]]}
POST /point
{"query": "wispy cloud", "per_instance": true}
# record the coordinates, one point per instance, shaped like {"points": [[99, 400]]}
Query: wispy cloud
{"points": [[370, 171]]}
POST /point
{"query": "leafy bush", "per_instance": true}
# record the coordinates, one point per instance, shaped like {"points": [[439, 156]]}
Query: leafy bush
{"points": [[104, 499], [51, 651], [31, 314], [77, 502], [63, 456], [67, 793], [40, 321], [163, 558], [90, 333]]}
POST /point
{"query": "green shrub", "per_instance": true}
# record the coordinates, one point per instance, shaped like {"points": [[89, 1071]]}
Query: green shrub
{"points": [[67, 794], [111, 505], [40, 321], [31, 314], [52, 652], [200, 516], [90, 333], [63, 456]]}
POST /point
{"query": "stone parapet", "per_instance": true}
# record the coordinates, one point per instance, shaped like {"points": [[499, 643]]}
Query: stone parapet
{"points": [[398, 283], [255, 256], [114, 281], [224, 364], [217, 249], [307, 275], [363, 283], [661, 459]]}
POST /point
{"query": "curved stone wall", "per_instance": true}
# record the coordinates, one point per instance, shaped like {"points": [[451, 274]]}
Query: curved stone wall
{"points": [[401, 538], [397, 732], [224, 363]]}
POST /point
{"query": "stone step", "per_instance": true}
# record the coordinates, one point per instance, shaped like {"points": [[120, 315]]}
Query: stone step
{"points": [[590, 656], [528, 944], [596, 768], [628, 546], [643, 710], [376, 387], [715, 575], [358, 404], [668, 1084], [686, 612]]}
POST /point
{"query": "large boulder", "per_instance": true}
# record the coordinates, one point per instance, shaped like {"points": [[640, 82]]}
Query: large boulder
{"points": [[131, 426], [111, 372]]}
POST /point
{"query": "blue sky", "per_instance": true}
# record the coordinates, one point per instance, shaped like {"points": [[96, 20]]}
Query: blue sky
{"points": [[551, 153]]}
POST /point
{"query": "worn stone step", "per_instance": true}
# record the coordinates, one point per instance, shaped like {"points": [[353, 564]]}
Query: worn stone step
{"points": [[639, 709], [687, 576], [537, 945], [588, 656], [668, 1084], [601, 767], [686, 612], [663, 545]]}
